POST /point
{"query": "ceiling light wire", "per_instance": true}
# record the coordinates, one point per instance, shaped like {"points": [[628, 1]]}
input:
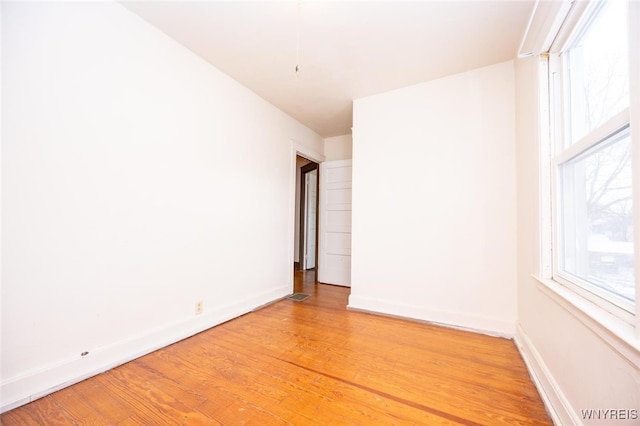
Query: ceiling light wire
{"points": [[298, 41]]}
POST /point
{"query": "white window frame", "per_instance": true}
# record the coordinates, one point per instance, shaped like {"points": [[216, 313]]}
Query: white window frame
{"points": [[553, 91]]}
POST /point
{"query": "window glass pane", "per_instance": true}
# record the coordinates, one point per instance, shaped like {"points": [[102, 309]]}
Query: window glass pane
{"points": [[599, 71], [596, 221]]}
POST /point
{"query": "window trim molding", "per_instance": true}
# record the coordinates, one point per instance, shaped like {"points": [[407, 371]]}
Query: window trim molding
{"points": [[591, 293], [616, 333], [573, 25]]}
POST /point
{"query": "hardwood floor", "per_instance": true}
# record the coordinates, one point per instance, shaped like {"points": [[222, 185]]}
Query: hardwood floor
{"points": [[310, 362]]}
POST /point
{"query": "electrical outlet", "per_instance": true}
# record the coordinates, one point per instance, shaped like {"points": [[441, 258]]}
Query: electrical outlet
{"points": [[198, 307]]}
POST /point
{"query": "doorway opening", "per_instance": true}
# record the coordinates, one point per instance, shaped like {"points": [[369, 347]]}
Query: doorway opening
{"points": [[307, 197]]}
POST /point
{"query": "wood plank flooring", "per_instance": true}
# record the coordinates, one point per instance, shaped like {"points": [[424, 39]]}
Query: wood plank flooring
{"points": [[306, 363]]}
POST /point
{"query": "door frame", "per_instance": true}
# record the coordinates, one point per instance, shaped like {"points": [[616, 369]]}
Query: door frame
{"points": [[310, 154], [303, 231]]}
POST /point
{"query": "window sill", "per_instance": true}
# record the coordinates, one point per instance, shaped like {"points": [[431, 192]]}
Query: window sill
{"points": [[615, 332]]}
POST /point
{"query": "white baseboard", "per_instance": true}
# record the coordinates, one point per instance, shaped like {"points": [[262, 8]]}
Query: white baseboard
{"points": [[478, 324], [35, 384], [557, 404]]}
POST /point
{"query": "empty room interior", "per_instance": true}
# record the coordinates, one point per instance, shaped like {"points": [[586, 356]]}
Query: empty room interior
{"points": [[320, 212]]}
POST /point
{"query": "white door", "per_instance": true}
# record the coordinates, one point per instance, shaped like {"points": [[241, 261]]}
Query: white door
{"points": [[334, 245], [311, 194]]}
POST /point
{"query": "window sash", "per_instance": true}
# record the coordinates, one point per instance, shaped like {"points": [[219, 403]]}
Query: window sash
{"points": [[610, 302], [560, 208]]}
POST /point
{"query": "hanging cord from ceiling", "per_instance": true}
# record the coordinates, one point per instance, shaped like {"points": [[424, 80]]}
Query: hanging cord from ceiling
{"points": [[298, 40]]}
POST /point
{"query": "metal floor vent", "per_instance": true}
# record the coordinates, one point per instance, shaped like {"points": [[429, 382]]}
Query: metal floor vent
{"points": [[298, 297]]}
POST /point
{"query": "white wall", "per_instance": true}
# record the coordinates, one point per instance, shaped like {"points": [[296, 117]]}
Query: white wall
{"points": [[137, 180], [576, 364], [434, 201], [338, 148]]}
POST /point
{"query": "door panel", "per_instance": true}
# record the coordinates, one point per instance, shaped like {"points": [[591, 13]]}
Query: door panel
{"points": [[339, 241], [339, 220], [339, 196], [334, 265]]}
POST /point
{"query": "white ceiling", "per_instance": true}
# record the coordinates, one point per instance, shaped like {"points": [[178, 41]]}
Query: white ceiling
{"points": [[347, 50]]}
